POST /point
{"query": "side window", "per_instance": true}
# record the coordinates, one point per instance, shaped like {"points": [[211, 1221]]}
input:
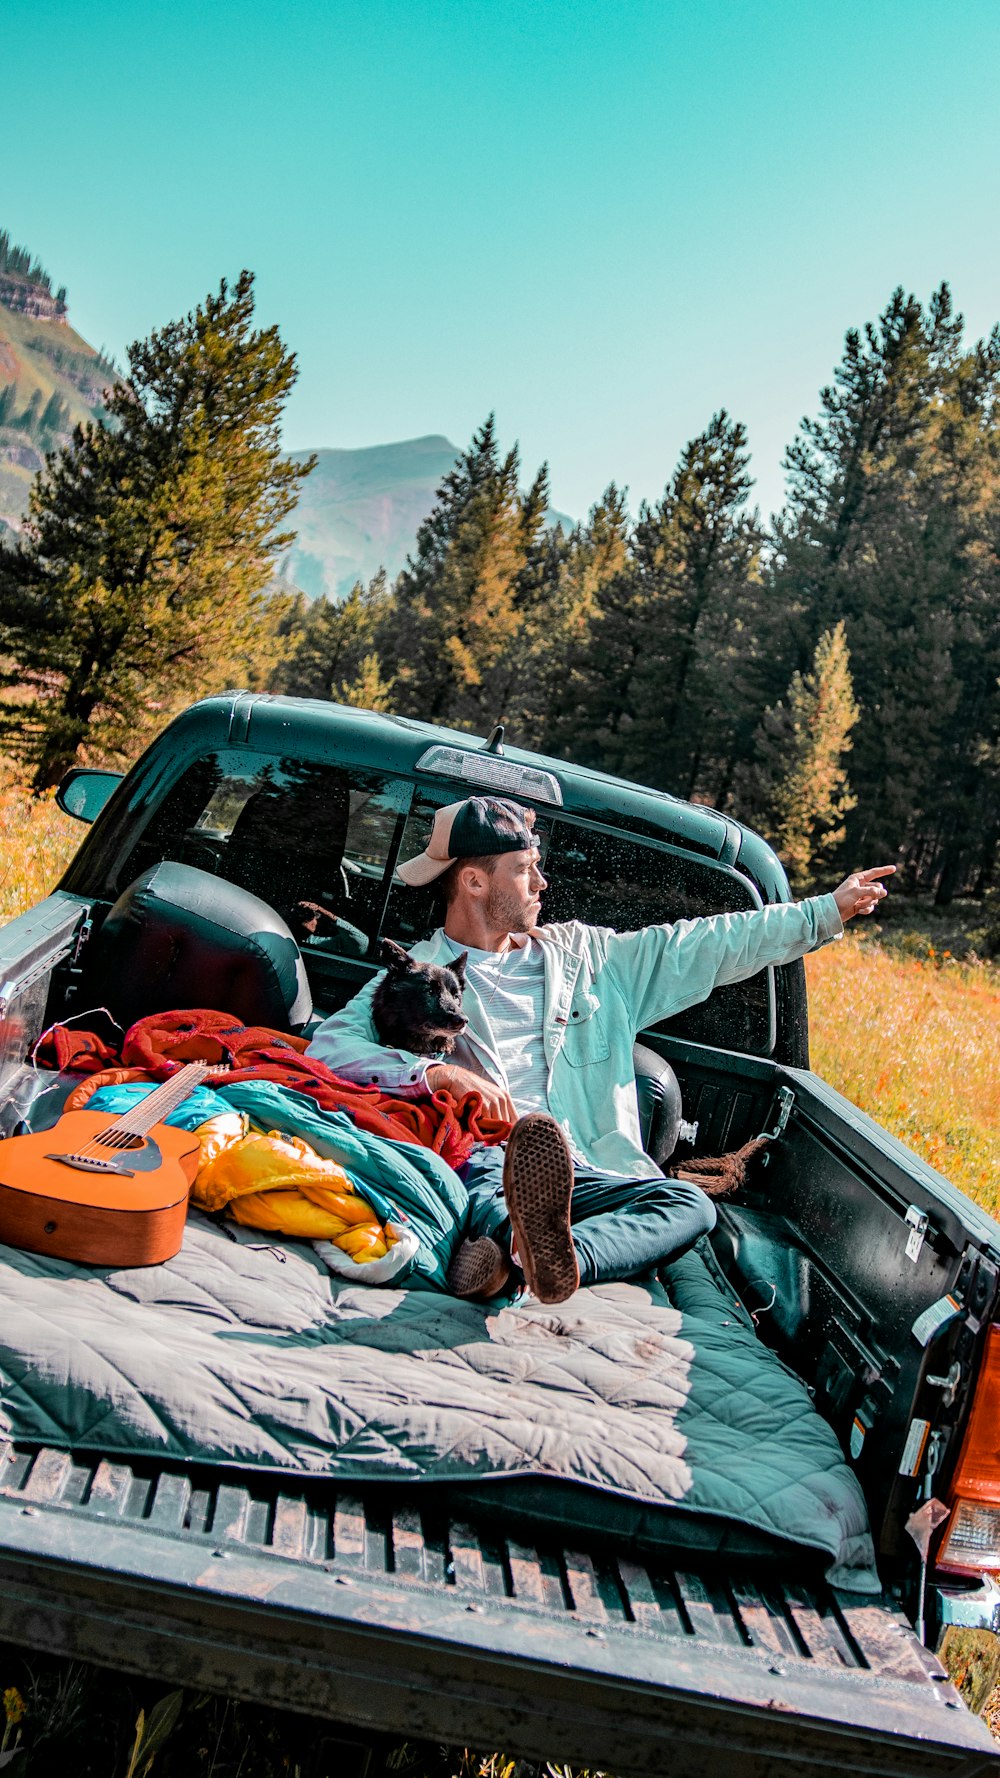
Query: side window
{"points": [[312, 840]]}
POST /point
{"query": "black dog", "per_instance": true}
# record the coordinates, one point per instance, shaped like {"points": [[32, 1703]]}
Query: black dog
{"points": [[418, 1006]]}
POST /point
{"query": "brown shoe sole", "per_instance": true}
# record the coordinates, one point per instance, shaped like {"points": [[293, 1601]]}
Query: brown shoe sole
{"points": [[538, 1187], [479, 1268]]}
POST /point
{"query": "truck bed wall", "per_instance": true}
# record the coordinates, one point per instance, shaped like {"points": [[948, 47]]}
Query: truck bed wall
{"points": [[816, 1247]]}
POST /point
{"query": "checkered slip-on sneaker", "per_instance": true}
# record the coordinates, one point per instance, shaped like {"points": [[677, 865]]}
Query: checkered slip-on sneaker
{"points": [[479, 1268], [538, 1187]]}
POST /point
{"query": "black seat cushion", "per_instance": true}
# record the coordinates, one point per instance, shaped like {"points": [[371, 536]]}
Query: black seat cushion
{"points": [[178, 937], [659, 1096]]}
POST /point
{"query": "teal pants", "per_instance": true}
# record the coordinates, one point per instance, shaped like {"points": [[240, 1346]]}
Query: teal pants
{"points": [[621, 1227]]}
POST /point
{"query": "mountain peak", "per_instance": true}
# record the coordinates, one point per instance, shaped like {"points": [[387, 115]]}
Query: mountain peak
{"points": [[360, 511]]}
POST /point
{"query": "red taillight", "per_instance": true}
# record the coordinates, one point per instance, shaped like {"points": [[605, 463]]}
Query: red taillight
{"points": [[972, 1536]]}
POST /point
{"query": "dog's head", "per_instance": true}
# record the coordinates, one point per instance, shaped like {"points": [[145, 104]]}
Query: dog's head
{"points": [[418, 1006]]}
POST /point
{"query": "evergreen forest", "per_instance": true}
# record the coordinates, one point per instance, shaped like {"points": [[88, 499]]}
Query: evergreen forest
{"points": [[831, 676], [19, 262]]}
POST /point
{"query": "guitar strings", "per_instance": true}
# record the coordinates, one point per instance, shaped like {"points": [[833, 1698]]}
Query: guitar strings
{"points": [[116, 1136]]}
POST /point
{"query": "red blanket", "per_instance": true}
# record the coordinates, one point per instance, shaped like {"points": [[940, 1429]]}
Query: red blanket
{"points": [[157, 1046]]}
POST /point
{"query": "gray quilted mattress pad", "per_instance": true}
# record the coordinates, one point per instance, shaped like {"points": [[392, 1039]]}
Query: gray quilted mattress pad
{"points": [[242, 1352]]}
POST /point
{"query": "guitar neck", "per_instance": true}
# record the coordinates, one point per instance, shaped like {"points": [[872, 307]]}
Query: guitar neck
{"points": [[163, 1100]]}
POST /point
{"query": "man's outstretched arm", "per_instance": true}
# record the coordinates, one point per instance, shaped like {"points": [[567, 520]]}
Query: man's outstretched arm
{"points": [[662, 970]]}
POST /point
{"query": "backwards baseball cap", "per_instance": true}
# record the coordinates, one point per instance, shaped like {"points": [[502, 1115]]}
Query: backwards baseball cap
{"points": [[478, 827]]}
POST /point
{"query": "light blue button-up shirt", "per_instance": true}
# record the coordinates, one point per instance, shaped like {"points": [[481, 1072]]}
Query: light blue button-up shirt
{"points": [[601, 989]]}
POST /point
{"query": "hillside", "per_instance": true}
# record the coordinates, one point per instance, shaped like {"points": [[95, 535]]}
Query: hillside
{"points": [[360, 510], [49, 377]]}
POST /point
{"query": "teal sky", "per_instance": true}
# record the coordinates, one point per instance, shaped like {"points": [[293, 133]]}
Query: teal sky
{"points": [[602, 220]]}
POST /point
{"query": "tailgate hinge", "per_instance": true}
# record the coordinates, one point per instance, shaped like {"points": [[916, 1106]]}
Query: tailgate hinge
{"points": [[85, 929]]}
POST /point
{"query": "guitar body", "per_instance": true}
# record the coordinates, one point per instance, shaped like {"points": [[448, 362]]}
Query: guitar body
{"points": [[106, 1207]]}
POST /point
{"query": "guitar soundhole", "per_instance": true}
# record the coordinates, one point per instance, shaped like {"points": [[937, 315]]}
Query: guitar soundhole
{"points": [[121, 1141]]}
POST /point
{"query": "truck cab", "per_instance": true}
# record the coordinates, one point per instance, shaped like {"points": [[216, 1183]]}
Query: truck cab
{"points": [[863, 1271]]}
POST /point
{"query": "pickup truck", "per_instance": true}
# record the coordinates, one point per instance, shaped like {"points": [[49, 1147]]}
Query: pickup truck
{"points": [[416, 1610]]}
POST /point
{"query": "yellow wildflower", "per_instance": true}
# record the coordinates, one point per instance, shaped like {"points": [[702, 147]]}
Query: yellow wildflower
{"points": [[13, 1704]]}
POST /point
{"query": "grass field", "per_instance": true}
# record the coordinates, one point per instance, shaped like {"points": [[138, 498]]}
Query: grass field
{"points": [[913, 1041], [36, 843]]}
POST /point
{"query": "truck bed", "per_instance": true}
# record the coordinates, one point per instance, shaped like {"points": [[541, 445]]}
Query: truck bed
{"points": [[384, 1612]]}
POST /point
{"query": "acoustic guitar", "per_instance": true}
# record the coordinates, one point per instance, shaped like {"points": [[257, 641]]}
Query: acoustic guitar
{"points": [[104, 1192]]}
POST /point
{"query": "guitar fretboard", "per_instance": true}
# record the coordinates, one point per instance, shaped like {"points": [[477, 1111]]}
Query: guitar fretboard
{"points": [[156, 1106]]}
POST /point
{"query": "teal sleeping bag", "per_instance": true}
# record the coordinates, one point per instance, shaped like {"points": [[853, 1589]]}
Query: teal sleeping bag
{"points": [[200, 1104], [401, 1180]]}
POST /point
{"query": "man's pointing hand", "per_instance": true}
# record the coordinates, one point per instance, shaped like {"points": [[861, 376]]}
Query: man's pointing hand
{"points": [[861, 892]]}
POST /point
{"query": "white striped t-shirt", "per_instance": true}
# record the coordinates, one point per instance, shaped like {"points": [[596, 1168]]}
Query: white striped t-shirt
{"points": [[511, 986]]}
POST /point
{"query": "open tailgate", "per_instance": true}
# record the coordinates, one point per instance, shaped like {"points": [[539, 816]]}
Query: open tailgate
{"points": [[384, 1611]]}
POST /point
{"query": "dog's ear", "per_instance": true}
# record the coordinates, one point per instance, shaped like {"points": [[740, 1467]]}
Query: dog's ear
{"points": [[396, 960], [457, 967]]}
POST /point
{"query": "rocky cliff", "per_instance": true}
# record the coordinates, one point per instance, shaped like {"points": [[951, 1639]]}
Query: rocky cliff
{"points": [[22, 297], [50, 378]]}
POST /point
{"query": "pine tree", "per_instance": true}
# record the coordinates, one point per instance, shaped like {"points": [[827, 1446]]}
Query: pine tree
{"points": [[54, 415], [151, 538], [367, 690], [28, 420], [893, 525], [551, 653], [796, 790], [662, 693], [334, 648], [519, 688], [461, 601], [593, 566]]}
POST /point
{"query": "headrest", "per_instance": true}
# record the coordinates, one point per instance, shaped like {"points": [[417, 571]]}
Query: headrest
{"points": [[180, 937]]}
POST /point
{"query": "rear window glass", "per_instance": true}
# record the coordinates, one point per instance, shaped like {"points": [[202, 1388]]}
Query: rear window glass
{"points": [[613, 879], [318, 842], [312, 840]]}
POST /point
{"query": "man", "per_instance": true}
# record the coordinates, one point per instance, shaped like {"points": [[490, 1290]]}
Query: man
{"points": [[552, 1013]]}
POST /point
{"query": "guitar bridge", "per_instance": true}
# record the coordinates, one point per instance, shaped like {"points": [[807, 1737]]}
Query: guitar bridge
{"points": [[93, 1164]]}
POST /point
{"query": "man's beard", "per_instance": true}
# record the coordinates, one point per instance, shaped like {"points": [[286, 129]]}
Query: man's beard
{"points": [[504, 913]]}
